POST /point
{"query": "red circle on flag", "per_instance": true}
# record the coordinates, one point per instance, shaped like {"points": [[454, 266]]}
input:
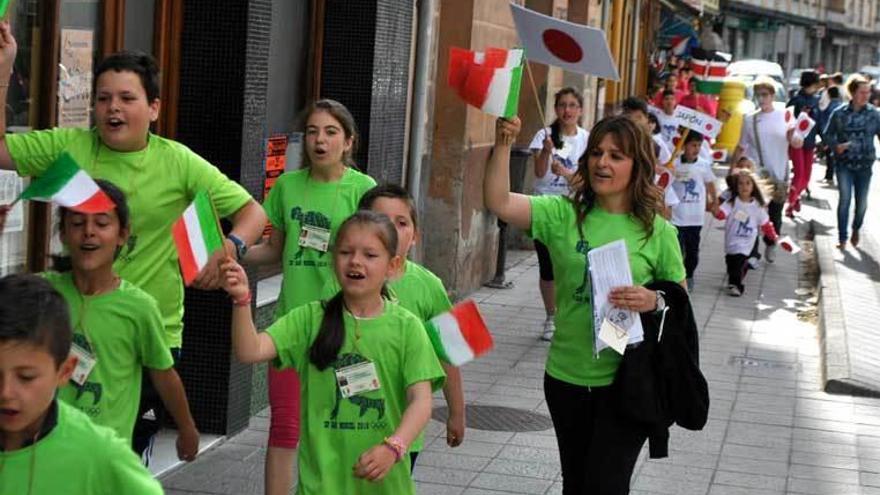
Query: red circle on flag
{"points": [[562, 45], [803, 125], [709, 126]]}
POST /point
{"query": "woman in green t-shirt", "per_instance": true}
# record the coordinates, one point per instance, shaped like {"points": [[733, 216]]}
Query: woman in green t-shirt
{"points": [[306, 208], [614, 199], [366, 365]]}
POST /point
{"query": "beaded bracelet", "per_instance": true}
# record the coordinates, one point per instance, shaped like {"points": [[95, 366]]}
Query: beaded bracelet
{"points": [[396, 444], [244, 301]]}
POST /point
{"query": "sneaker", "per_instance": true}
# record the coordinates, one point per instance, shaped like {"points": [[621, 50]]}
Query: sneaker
{"points": [[690, 284], [754, 263], [549, 329], [770, 253], [734, 291]]}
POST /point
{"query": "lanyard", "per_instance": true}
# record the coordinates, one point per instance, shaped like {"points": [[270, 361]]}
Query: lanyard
{"points": [[33, 463]]}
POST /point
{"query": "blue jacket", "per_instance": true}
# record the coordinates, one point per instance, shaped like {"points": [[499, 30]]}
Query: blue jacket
{"points": [[802, 102], [858, 129], [824, 116]]}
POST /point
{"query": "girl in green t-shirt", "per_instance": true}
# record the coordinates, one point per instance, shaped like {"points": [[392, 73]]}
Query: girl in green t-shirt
{"points": [[117, 328], [366, 366], [305, 208], [614, 199], [419, 291]]}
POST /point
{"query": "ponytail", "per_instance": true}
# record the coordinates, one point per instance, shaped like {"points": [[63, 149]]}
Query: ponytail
{"points": [[325, 348]]}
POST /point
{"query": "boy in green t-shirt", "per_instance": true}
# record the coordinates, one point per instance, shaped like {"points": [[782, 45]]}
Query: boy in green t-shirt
{"points": [[46, 446], [117, 328]]}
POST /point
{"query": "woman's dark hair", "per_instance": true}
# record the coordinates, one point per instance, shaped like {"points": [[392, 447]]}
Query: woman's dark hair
{"points": [[653, 119], [757, 189], [809, 78], [556, 126], [392, 191], [634, 142], [339, 112], [62, 263], [833, 92], [325, 348], [133, 61], [33, 312]]}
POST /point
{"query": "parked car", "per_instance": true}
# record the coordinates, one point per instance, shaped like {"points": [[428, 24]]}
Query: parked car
{"points": [[873, 71], [752, 68]]}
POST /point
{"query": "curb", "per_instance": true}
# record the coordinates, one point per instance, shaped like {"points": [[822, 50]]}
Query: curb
{"points": [[836, 371]]}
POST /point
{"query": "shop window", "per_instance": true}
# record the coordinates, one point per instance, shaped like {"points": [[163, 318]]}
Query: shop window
{"points": [[21, 116]]}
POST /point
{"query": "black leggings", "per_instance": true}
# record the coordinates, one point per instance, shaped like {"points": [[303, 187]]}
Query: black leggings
{"points": [[597, 448], [737, 267], [545, 266]]}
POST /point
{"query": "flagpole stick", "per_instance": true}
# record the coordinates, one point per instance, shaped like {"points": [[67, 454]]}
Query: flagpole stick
{"points": [[678, 147], [535, 93]]}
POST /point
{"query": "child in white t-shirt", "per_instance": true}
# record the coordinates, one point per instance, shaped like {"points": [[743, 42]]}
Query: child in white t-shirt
{"points": [[694, 185], [745, 212]]}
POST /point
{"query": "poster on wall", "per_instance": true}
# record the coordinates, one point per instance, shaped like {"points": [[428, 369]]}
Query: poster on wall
{"points": [[75, 78], [276, 157]]}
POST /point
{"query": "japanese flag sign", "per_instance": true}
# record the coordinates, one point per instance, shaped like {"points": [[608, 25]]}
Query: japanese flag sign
{"points": [[803, 125], [663, 179], [789, 245], [573, 47], [719, 155], [697, 121], [789, 117]]}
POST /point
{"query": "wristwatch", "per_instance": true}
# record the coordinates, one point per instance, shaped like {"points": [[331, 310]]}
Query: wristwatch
{"points": [[240, 246], [661, 303]]}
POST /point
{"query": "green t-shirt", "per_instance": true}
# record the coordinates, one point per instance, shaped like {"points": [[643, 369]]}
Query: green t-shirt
{"points": [[571, 357], [123, 330], [296, 199], [159, 183], [337, 431], [77, 456]]}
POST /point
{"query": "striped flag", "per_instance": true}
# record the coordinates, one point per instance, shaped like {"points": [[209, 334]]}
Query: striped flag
{"points": [[710, 69], [65, 184], [488, 80], [197, 236], [459, 335]]}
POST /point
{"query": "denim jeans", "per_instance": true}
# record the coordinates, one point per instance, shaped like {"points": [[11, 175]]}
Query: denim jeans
{"points": [[849, 180]]}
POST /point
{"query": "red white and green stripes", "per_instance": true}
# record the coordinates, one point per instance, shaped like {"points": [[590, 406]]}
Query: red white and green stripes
{"points": [[709, 69], [197, 236], [66, 185], [459, 335], [488, 80]]}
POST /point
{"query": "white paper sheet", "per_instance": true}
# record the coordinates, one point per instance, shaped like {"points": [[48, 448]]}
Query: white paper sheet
{"points": [[609, 268]]}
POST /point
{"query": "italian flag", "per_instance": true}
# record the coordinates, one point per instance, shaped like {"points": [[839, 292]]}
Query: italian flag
{"points": [[197, 236], [488, 80], [459, 335], [710, 69], [65, 184]]}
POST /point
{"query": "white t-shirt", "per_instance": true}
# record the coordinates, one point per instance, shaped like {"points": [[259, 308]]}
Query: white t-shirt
{"points": [[690, 187], [573, 148], [663, 151], [744, 220], [668, 126], [774, 141]]}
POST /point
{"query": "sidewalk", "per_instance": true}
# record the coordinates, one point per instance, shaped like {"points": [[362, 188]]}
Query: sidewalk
{"points": [[771, 429]]}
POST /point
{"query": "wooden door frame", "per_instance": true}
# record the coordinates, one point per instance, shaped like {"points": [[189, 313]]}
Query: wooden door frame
{"points": [[167, 28], [39, 229]]}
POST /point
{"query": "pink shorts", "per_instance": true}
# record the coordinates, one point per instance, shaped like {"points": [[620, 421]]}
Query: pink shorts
{"points": [[284, 406]]}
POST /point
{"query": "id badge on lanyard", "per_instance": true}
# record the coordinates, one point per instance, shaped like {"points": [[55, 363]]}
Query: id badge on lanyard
{"points": [[85, 363], [357, 379], [314, 237]]}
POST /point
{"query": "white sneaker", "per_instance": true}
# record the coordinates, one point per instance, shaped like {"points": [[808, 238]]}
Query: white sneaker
{"points": [[754, 263], [770, 253], [549, 329], [733, 290]]}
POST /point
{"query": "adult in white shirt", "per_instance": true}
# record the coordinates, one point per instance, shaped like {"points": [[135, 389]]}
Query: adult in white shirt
{"points": [[556, 160], [765, 139]]}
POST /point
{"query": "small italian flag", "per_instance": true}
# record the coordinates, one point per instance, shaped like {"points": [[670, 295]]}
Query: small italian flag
{"points": [[488, 80], [197, 236], [459, 335], [710, 69], [65, 184]]}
